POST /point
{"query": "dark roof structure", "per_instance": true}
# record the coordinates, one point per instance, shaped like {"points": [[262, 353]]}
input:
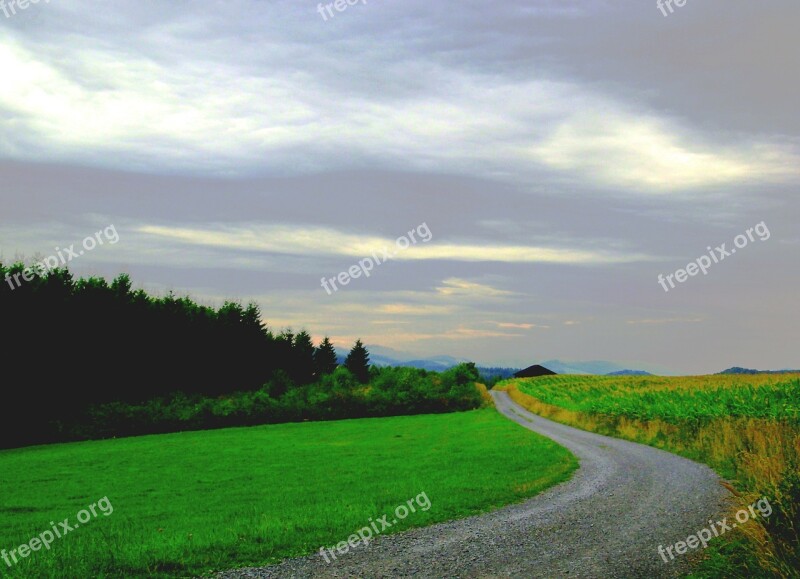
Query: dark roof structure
{"points": [[533, 372]]}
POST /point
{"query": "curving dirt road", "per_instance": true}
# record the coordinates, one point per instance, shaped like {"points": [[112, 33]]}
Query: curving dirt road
{"points": [[607, 521]]}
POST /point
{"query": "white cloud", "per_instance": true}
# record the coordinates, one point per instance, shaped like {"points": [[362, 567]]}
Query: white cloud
{"points": [[520, 326], [408, 309], [454, 287], [666, 321], [86, 103], [456, 334], [318, 241], [643, 152]]}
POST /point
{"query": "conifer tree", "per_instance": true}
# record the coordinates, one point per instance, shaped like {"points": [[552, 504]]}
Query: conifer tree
{"points": [[303, 354], [358, 362], [325, 360]]}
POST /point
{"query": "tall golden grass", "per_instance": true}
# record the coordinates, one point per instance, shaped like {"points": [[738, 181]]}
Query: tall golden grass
{"points": [[486, 398], [760, 456]]}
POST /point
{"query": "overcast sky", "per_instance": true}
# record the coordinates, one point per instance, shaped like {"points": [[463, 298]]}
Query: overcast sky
{"points": [[561, 153]]}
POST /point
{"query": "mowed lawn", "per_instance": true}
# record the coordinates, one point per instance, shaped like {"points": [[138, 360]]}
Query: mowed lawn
{"points": [[191, 503]]}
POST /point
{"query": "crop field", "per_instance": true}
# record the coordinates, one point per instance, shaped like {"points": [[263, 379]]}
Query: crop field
{"points": [[189, 503], [767, 396], [747, 427]]}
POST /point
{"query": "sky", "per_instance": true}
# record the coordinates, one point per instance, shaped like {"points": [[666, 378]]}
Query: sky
{"points": [[552, 158]]}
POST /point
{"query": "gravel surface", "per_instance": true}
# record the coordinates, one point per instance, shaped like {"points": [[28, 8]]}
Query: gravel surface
{"points": [[607, 521]]}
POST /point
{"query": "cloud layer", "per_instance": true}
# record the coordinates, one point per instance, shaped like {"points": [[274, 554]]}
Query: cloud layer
{"points": [[562, 152]]}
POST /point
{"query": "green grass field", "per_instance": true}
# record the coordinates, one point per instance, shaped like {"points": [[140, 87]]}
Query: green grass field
{"points": [[189, 503], [676, 399], [746, 427]]}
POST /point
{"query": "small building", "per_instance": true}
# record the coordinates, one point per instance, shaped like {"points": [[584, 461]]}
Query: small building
{"points": [[533, 372]]}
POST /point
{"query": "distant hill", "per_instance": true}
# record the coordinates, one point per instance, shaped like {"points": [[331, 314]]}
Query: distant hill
{"points": [[383, 356], [604, 367], [436, 363], [739, 370], [574, 367], [488, 374], [629, 373], [534, 372]]}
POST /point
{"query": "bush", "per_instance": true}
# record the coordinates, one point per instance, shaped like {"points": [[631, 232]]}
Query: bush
{"points": [[390, 392]]}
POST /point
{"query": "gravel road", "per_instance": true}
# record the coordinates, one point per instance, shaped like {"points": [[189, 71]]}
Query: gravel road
{"points": [[607, 521]]}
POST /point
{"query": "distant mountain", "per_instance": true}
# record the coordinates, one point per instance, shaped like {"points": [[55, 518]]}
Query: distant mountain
{"points": [[592, 367], [436, 363], [738, 370], [488, 374], [382, 356], [629, 373], [602, 367]]}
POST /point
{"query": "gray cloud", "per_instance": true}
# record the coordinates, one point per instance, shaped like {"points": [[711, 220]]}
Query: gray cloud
{"points": [[247, 149]]}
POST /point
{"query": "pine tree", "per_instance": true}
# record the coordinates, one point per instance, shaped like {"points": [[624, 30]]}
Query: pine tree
{"points": [[325, 360], [358, 362], [303, 351]]}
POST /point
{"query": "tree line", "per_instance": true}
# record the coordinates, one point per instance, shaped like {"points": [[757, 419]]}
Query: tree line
{"points": [[76, 345]]}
